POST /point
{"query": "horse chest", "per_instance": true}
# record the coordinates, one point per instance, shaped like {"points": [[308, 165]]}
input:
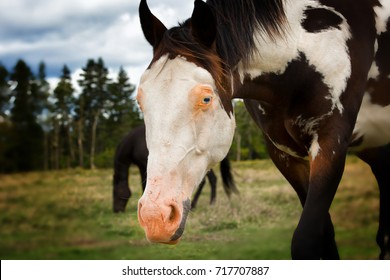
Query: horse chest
{"points": [[290, 134], [290, 106]]}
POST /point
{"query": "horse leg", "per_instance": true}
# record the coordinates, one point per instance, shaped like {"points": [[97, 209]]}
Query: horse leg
{"points": [[227, 178], [213, 183], [379, 161], [297, 173], [121, 190], [314, 231], [197, 194]]}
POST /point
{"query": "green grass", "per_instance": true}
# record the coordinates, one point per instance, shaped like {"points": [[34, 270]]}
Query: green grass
{"points": [[67, 215]]}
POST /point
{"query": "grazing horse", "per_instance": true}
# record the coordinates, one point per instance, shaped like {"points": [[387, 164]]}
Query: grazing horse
{"points": [[132, 150], [315, 77]]}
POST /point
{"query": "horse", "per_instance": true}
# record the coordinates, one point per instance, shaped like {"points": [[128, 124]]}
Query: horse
{"points": [[314, 76], [132, 150]]}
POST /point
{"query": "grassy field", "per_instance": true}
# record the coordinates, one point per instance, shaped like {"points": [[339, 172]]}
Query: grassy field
{"points": [[67, 215]]}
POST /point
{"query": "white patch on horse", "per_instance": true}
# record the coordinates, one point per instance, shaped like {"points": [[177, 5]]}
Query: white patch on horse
{"points": [[285, 149], [314, 147], [262, 110], [376, 45], [309, 127], [272, 55], [374, 71], [326, 51], [382, 16], [373, 124]]}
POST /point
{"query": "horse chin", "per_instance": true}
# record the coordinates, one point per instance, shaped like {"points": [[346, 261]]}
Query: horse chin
{"points": [[174, 242], [167, 242]]}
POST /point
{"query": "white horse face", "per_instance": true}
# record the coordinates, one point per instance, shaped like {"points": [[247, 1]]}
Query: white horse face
{"points": [[187, 132]]}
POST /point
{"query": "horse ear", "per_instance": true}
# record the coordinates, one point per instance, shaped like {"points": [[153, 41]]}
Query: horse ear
{"points": [[203, 23], [152, 27]]}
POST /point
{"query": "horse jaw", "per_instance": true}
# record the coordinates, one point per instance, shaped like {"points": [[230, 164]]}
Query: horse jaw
{"points": [[187, 132]]}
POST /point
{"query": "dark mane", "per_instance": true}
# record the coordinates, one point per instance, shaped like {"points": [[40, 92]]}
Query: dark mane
{"points": [[237, 20]]}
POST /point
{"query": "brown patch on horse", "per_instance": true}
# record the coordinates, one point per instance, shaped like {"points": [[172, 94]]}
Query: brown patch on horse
{"points": [[383, 54], [379, 91], [320, 19]]}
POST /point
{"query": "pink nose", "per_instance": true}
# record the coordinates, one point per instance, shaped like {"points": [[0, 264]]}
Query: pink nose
{"points": [[162, 222]]}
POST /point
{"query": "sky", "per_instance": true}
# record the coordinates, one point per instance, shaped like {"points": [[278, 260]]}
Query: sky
{"points": [[70, 32]]}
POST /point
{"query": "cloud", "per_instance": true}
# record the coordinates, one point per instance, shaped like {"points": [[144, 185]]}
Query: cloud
{"points": [[72, 31]]}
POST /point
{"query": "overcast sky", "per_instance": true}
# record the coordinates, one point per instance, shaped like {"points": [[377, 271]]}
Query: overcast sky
{"points": [[70, 32]]}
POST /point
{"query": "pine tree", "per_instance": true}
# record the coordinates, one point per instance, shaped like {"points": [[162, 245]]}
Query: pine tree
{"points": [[63, 106], [120, 96], [27, 149], [122, 112], [40, 89], [94, 96]]}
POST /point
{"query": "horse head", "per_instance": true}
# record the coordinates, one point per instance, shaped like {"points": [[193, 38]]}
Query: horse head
{"points": [[185, 96]]}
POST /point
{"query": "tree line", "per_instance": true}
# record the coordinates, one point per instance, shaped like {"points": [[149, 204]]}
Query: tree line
{"points": [[48, 129], [44, 129]]}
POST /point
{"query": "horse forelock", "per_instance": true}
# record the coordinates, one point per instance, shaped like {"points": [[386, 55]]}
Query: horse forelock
{"points": [[179, 42]]}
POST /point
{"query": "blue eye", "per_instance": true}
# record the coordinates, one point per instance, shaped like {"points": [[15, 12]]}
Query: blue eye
{"points": [[206, 100]]}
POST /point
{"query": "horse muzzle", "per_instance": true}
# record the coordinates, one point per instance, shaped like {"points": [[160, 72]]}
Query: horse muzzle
{"points": [[163, 221]]}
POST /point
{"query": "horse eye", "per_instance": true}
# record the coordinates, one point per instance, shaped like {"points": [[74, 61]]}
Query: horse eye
{"points": [[206, 100]]}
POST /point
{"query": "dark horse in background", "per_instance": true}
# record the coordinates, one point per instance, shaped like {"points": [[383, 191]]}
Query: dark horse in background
{"points": [[315, 77], [132, 150]]}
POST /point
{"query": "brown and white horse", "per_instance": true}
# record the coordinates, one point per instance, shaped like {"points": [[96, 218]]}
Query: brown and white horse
{"points": [[314, 75]]}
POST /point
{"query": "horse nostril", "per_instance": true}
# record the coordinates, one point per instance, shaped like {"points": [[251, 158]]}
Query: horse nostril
{"points": [[174, 215], [139, 214]]}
